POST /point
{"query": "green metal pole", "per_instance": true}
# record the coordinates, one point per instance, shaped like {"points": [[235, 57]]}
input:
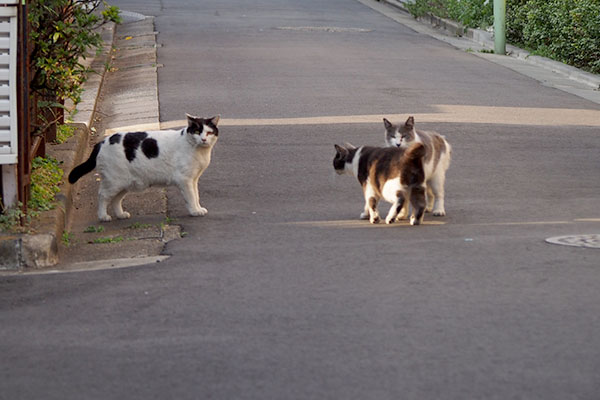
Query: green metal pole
{"points": [[500, 27]]}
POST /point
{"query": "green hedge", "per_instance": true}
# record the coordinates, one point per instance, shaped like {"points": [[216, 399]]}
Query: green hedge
{"points": [[470, 13], [565, 30]]}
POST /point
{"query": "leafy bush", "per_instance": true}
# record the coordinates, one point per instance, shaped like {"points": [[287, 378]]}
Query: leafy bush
{"points": [[565, 30], [62, 31], [45, 177], [10, 218], [471, 13]]}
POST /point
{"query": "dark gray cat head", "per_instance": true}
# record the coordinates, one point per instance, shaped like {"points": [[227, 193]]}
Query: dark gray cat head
{"points": [[344, 156], [399, 135], [203, 131]]}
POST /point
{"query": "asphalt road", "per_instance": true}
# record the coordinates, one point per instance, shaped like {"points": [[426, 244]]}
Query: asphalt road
{"points": [[280, 292]]}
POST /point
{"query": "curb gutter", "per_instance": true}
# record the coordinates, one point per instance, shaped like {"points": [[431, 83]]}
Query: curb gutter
{"points": [[40, 250], [486, 39]]}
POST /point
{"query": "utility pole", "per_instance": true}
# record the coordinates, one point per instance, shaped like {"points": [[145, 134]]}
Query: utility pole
{"points": [[500, 27]]}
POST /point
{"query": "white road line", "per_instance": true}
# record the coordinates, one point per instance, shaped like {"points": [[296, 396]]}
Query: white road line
{"points": [[524, 116]]}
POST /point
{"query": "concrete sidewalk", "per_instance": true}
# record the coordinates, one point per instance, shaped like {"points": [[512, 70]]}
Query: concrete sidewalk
{"points": [[129, 52], [39, 249]]}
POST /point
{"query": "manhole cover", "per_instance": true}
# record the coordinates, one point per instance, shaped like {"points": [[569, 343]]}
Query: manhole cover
{"points": [[589, 241], [333, 29]]}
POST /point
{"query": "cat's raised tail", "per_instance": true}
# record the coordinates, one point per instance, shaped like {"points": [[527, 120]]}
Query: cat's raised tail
{"points": [[87, 167], [416, 152]]}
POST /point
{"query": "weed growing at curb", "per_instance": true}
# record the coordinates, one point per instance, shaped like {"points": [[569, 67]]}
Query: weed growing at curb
{"points": [[10, 217], [45, 178], [103, 240], [94, 229], [64, 132], [66, 238], [139, 225]]}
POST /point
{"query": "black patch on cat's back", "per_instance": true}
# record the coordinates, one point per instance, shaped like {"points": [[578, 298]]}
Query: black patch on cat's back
{"points": [[115, 139], [150, 148], [131, 142]]}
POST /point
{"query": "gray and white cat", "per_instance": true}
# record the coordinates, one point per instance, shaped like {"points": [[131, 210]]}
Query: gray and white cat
{"points": [[392, 174], [436, 162], [135, 161]]}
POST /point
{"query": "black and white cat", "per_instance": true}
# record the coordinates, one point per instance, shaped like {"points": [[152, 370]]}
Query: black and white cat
{"points": [[135, 161], [393, 174], [436, 162]]}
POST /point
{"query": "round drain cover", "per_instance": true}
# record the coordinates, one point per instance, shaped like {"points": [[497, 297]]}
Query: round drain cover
{"points": [[589, 241]]}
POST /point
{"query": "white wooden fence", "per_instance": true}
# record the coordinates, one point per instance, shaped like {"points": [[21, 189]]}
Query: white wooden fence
{"points": [[8, 76], [8, 99]]}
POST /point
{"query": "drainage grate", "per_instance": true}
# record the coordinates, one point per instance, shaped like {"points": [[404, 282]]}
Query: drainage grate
{"points": [[332, 29], [589, 241]]}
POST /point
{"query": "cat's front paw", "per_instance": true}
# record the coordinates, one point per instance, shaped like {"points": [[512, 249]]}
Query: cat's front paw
{"points": [[439, 213], [374, 219], [124, 215], [201, 212], [105, 218], [390, 220]]}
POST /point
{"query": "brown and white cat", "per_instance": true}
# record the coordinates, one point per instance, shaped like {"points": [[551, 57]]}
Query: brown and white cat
{"points": [[135, 161], [395, 175], [436, 162]]}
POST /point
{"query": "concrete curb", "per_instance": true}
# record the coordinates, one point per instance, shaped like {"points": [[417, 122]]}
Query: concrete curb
{"points": [[40, 250], [486, 39]]}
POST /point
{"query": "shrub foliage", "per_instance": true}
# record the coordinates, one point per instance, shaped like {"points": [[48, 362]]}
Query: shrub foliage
{"points": [[565, 30], [62, 31]]}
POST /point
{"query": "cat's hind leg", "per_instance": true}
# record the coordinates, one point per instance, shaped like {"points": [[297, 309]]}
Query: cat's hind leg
{"points": [[396, 208], [403, 213], [437, 186], [365, 214], [417, 200], [373, 213], [105, 196], [117, 204], [371, 201], [430, 198]]}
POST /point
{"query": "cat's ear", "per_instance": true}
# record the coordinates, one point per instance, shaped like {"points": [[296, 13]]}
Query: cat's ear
{"points": [[191, 119], [410, 122], [388, 124], [349, 146], [340, 149], [215, 119]]}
